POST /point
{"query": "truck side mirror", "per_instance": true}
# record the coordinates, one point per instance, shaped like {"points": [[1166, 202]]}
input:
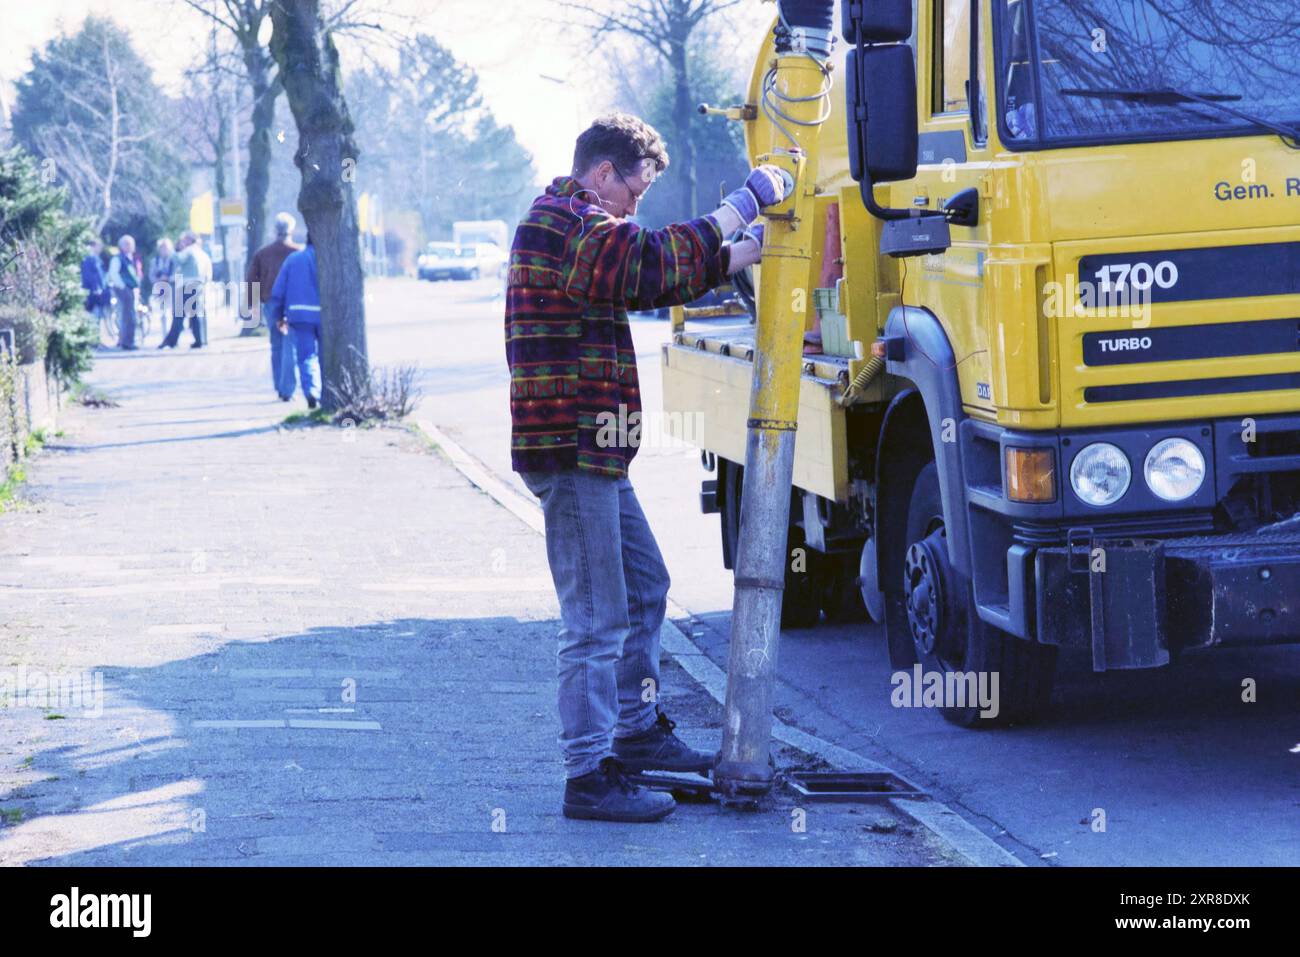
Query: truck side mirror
{"points": [[881, 96], [883, 141]]}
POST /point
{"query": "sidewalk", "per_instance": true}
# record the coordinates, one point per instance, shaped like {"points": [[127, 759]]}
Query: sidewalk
{"points": [[317, 647]]}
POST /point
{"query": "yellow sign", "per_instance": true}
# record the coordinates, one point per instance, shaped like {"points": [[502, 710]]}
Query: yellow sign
{"points": [[232, 207], [201, 214], [370, 219]]}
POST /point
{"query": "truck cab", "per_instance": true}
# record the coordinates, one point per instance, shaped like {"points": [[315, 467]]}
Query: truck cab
{"points": [[1052, 338]]}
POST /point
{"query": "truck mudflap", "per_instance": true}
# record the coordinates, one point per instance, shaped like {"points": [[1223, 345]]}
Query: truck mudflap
{"points": [[1134, 602]]}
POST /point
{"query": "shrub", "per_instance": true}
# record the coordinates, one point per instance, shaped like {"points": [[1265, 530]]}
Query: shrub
{"points": [[381, 394]]}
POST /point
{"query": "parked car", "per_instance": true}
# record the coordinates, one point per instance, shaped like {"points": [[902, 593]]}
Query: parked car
{"points": [[447, 261], [450, 261]]}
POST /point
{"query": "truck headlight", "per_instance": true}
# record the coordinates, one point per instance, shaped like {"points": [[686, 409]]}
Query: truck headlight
{"points": [[1174, 469], [1100, 474]]}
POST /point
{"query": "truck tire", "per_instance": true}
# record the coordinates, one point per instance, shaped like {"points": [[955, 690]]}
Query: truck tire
{"points": [[801, 603], [935, 612]]}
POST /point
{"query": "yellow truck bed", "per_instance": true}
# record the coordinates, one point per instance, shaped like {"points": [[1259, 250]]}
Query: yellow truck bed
{"points": [[707, 376]]}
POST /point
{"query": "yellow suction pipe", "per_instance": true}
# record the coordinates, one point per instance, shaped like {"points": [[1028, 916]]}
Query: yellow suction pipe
{"points": [[744, 769]]}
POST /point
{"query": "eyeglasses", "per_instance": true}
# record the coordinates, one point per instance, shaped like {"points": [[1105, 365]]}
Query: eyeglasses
{"points": [[635, 194]]}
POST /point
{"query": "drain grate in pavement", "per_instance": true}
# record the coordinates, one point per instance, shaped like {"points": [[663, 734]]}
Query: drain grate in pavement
{"points": [[851, 786]]}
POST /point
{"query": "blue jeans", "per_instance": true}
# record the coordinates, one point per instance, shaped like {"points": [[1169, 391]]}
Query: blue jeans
{"points": [[126, 319], [304, 349], [281, 367], [613, 590]]}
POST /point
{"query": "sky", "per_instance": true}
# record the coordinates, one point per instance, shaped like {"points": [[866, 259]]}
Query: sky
{"points": [[513, 45]]}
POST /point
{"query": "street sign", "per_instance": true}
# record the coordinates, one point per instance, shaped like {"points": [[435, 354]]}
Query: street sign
{"points": [[201, 214]]}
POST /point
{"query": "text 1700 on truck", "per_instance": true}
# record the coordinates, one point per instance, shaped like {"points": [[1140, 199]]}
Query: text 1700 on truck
{"points": [[1050, 393]]}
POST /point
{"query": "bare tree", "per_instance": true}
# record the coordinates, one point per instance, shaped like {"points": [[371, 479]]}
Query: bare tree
{"points": [[246, 21], [91, 156], [208, 109], [308, 61], [666, 27]]}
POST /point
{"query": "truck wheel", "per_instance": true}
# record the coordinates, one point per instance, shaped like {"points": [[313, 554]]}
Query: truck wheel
{"points": [[936, 612], [801, 603]]}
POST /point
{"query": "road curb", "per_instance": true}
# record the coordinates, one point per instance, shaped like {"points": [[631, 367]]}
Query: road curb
{"points": [[959, 835]]}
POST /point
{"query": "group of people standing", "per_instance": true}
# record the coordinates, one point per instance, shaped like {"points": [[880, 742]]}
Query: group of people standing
{"points": [[177, 278], [281, 279]]}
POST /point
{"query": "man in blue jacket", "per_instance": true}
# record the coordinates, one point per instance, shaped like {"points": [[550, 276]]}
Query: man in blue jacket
{"points": [[93, 280], [294, 311]]}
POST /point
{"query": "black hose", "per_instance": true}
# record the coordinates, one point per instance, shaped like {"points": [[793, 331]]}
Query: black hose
{"points": [[811, 21], [817, 14]]}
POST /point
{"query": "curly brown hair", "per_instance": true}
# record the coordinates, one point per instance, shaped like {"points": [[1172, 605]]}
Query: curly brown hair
{"points": [[624, 140]]}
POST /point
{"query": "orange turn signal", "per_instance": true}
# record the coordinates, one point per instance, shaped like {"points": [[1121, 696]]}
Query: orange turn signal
{"points": [[1031, 475]]}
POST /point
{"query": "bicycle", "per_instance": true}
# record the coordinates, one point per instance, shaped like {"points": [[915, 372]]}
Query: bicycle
{"points": [[111, 329]]}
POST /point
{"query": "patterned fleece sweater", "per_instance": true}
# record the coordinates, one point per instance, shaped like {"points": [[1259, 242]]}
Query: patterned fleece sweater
{"points": [[575, 271]]}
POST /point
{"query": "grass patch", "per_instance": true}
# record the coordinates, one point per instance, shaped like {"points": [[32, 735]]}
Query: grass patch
{"points": [[56, 717], [17, 473], [9, 499], [83, 394], [35, 442], [314, 417], [11, 815], [427, 440]]}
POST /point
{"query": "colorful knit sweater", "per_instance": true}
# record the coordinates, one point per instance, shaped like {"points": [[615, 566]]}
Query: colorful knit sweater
{"points": [[575, 271]]}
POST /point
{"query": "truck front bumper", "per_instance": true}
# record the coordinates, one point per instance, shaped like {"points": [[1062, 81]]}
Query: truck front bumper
{"points": [[1134, 602]]}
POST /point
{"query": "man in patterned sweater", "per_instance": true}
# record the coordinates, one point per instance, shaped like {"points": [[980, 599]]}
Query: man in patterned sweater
{"points": [[577, 266]]}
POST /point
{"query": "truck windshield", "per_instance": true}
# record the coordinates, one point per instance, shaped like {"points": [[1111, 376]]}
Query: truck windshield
{"points": [[1059, 59]]}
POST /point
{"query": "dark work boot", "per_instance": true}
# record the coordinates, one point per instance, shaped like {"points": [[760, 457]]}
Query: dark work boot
{"points": [[606, 795], [658, 749]]}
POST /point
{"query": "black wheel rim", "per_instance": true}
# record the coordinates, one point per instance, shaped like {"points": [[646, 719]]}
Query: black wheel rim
{"points": [[937, 627]]}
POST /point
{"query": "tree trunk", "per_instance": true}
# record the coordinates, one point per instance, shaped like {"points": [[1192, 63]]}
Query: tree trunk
{"points": [[683, 112], [257, 181], [309, 69]]}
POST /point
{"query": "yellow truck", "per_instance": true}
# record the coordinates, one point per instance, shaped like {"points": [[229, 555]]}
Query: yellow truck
{"points": [[1050, 391]]}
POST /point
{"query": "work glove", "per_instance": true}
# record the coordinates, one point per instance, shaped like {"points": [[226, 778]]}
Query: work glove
{"points": [[755, 231], [765, 186]]}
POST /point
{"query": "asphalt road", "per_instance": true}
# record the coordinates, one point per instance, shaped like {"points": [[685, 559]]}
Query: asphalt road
{"points": [[1172, 764]]}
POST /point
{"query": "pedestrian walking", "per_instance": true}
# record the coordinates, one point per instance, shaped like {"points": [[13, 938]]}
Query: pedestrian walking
{"points": [[294, 307], [195, 272], [577, 266], [263, 270], [124, 279], [94, 281]]}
